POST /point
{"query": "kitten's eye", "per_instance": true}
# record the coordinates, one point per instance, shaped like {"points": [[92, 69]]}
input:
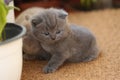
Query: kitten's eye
{"points": [[47, 33], [58, 32]]}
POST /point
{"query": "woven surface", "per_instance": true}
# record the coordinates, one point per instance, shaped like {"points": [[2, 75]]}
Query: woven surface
{"points": [[105, 24]]}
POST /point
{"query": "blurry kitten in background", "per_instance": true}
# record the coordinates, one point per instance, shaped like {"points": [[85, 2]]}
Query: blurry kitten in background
{"points": [[31, 46], [60, 41], [25, 16]]}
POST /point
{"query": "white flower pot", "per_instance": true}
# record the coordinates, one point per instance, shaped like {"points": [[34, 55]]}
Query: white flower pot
{"points": [[11, 53]]}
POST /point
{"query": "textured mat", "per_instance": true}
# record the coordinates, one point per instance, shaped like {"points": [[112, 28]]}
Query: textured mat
{"points": [[105, 24]]}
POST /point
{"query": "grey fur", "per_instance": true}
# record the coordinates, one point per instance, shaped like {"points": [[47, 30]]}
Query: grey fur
{"points": [[61, 40]]}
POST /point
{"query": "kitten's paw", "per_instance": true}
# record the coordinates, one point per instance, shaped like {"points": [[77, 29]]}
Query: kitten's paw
{"points": [[48, 69], [28, 57]]}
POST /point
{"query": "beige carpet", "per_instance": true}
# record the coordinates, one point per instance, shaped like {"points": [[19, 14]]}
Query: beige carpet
{"points": [[105, 24]]}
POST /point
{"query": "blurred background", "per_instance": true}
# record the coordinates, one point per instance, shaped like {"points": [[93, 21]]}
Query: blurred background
{"points": [[68, 5]]}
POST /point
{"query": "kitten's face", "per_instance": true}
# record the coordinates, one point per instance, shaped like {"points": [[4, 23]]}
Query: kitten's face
{"points": [[50, 26]]}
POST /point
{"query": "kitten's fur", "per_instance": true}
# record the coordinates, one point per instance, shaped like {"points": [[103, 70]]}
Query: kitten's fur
{"points": [[25, 17], [31, 46], [64, 42]]}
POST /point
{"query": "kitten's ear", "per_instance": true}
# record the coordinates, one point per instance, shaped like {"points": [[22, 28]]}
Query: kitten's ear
{"points": [[63, 14], [36, 21], [27, 17]]}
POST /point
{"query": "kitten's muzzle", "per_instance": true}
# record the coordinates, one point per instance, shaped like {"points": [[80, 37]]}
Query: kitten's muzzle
{"points": [[53, 37]]}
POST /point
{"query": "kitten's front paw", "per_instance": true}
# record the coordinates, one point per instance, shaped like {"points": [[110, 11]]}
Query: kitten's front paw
{"points": [[48, 69]]}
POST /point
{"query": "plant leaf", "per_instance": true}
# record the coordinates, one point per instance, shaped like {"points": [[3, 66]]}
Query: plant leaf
{"points": [[3, 14]]}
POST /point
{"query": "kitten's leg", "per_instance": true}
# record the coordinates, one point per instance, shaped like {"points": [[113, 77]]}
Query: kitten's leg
{"points": [[42, 55], [93, 54], [54, 63], [29, 57], [89, 58]]}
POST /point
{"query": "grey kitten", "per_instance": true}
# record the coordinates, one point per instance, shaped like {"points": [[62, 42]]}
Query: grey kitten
{"points": [[64, 42]]}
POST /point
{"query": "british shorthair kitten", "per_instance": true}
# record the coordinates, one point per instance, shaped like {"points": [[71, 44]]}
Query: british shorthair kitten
{"points": [[63, 41], [60, 40]]}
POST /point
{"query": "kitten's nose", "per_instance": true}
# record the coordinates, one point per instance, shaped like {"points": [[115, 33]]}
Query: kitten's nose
{"points": [[53, 37]]}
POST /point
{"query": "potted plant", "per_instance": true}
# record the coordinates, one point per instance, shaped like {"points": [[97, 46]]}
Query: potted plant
{"points": [[10, 46]]}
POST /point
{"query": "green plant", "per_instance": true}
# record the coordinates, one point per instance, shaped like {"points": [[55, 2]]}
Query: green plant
{"points": [[4, 9], [87, 4]]}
